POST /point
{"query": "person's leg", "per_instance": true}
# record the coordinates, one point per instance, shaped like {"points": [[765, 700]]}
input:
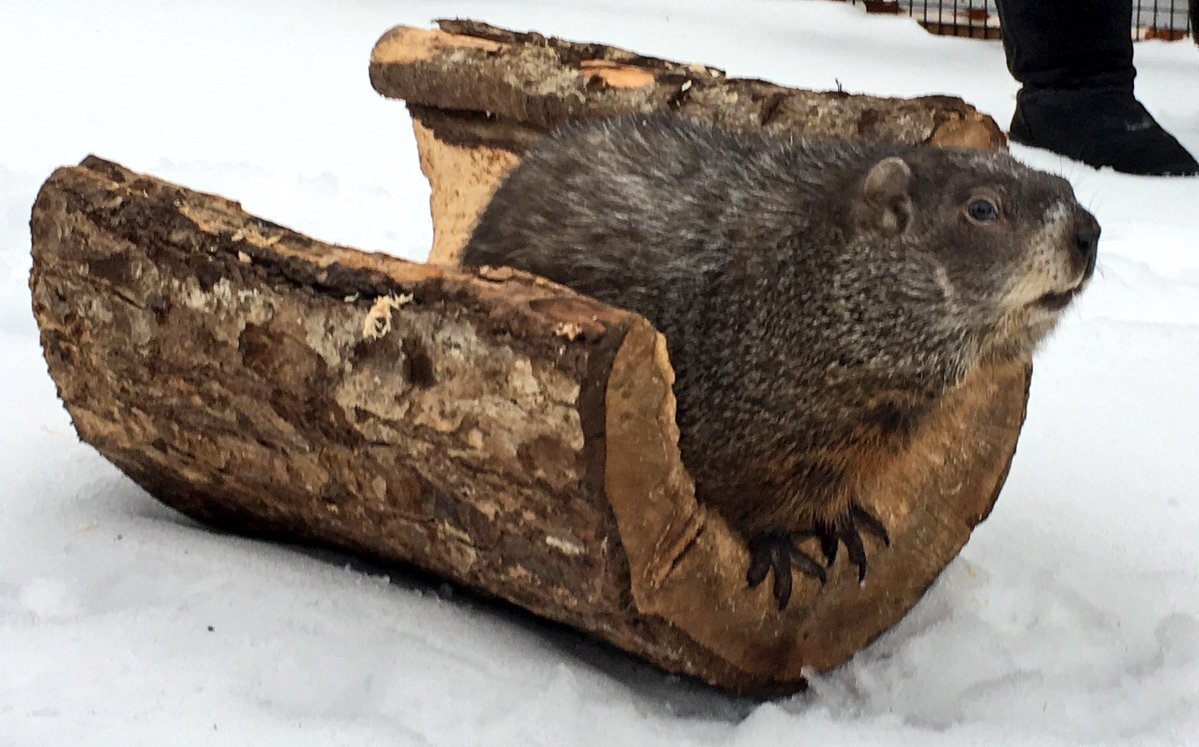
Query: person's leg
{"points": [[1193, 14], [1074, 61]]}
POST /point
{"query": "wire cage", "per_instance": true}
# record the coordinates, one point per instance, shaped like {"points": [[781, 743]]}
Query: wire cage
{"points": [[979, 19]]}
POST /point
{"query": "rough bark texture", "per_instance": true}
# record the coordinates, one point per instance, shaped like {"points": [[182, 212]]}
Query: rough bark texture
{"points": [[495, 429], [481, 95]]}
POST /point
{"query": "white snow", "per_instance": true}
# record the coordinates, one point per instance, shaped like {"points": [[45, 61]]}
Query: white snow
{"points": [[1072, 616]]}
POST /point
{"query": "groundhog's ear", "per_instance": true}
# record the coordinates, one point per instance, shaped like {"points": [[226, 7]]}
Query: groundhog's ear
{"points": [[886, 191]]}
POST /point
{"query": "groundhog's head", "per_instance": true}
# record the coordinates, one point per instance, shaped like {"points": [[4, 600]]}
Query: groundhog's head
{"points": [[1008, 247]]}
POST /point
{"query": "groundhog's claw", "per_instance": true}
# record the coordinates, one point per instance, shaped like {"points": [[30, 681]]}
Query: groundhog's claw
{"points": [[853, 546], [777, 551], [828, 545], [866, 520], [848, 530]]}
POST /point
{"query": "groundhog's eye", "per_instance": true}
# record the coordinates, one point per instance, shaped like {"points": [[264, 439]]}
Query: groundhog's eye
{"points": [[982, 210]]}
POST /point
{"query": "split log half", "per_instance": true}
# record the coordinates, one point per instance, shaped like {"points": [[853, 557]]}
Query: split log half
{"points": [[492, 428], [481, 95]]}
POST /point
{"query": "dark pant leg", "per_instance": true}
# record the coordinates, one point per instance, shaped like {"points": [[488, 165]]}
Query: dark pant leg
{"points": [[1068, 43]]}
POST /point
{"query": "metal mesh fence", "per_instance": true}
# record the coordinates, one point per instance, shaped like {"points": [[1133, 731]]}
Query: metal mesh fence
{"points": [[1152, 19]]}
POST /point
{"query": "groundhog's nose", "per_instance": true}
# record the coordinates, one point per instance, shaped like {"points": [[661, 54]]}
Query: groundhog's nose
{"points": [[1086, 237]]}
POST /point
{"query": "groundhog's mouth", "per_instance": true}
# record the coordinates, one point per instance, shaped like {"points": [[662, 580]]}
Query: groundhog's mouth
{"points": [[1058, 301]]}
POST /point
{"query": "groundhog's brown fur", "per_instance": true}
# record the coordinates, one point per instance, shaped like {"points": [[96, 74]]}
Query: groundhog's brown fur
{"points": [[817, 297]]}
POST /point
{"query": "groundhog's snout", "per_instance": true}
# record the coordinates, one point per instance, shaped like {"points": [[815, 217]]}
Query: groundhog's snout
{"points": [[1086, 240], [1080, 241]]}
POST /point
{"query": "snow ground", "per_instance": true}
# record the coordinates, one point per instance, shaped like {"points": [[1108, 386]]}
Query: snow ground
{"points": [[1072, 616]]}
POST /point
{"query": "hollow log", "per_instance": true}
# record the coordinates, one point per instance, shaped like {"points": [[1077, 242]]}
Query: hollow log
{"points": [[492, 427], [481, 95]]}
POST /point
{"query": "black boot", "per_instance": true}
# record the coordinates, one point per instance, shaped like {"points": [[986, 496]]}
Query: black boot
{"points": [[1100, 127], [1074, 59]]}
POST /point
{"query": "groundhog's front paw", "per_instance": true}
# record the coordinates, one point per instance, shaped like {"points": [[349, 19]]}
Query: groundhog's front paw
{"points": [[777, 551], [848, 529]]}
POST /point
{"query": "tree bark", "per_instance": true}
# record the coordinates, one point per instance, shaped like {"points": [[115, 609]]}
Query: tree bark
{"points": [[493, 428], [481, 95]]}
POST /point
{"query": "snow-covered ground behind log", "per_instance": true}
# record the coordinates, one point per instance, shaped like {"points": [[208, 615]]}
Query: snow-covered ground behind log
{"points": [[1072, 615]]}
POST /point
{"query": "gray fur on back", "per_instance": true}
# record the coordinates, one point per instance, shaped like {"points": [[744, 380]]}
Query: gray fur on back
{"points": [[799, 326]]}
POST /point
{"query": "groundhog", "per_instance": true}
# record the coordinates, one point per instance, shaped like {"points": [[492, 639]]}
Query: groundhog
{"points": [[817, 297]]}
